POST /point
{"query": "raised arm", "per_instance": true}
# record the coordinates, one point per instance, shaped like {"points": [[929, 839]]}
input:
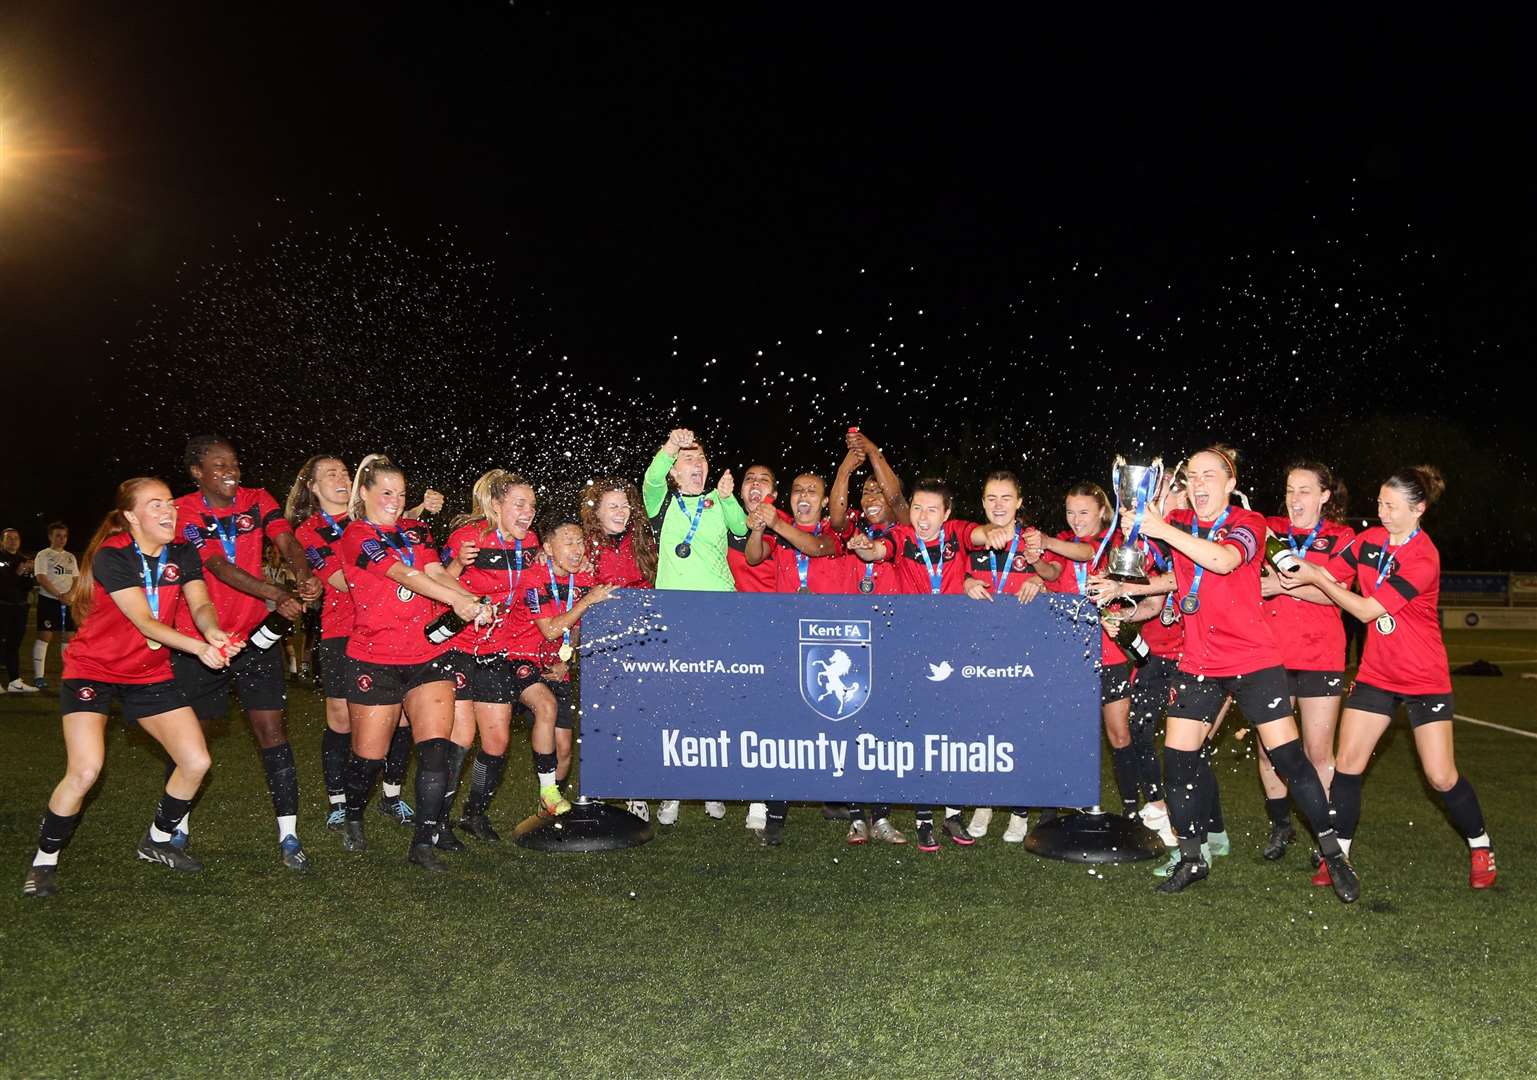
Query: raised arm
{"points": [[838, 499]]}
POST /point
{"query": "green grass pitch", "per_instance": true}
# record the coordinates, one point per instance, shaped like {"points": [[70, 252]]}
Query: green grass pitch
{"points": [[701, 954]]}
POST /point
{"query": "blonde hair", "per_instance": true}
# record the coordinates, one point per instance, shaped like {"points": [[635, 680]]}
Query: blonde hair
{"points": [[370, 469], [490, 489]]}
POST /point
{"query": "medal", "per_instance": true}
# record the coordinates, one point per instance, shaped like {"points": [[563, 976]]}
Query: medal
{"points": [[683, 550], [564, 652], [867, 586], [1190, 604], [686, 548], [1386, 624], [1168, 616], [156, 646], [565, 639]]}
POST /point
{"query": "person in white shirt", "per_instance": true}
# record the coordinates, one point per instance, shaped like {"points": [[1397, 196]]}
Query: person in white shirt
{"points": [[56, 572]]}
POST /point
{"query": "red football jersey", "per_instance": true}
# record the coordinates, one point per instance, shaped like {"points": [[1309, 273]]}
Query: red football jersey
{"points": [[997, 569], [882, 576], [502, 569], [824, 574], [1230, 634], [905, 552], [389, 621], [615, 564], [109, 647], [545, 601], [239, 527], [1163, 641], [321, 538], [758, 578], [1411, 659], [1311, 636]]}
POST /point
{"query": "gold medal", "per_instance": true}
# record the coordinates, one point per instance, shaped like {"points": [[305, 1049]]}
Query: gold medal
{"points": [[565, 652], [152, 643]]}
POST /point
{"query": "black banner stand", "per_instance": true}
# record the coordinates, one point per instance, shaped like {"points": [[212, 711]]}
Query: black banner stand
{"points": [[588, 826], [1094, 836]]}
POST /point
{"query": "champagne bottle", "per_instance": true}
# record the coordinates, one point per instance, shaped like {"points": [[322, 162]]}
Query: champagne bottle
{"points": [[447, 625], [273, 629], [1279, 553]]}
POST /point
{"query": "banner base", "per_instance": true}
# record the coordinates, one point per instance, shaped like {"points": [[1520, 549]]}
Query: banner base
{"points": [[1094, 836], [589, 826]]}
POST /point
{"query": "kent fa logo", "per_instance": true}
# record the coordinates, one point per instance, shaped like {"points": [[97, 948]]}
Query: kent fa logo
{"points": [[836, 671]]}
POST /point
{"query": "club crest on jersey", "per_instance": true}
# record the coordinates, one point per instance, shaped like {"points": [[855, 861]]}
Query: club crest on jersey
{"points": [[86, 693], [365, 683], [460, 682], [412, 536], [403, 594], [525, 671], [171, 574], [244, 523], [1321, 544], [1019, 562], [836, 670]]}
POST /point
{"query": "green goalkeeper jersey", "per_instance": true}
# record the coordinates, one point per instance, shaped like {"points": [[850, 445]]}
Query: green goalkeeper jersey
{"points": [[705, 568]]}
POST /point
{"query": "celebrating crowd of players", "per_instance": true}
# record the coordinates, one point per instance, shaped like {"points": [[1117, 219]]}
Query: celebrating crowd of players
{"points": [[438, 642]]}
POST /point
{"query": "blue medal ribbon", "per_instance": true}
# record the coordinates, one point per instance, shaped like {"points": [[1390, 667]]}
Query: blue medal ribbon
{"points": [[398, 545], [227, 539], [1307, 545], [517, 559], [693, 525], [936, 577], [565, 640], [1081, 570], [1192, 598], [803, 561], [152, 580], [331, 521], [1008, 562], [1387, 559], [1162, 564]]}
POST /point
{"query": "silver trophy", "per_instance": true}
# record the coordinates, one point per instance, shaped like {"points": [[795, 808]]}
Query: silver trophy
{"points": [[1135, 486]]}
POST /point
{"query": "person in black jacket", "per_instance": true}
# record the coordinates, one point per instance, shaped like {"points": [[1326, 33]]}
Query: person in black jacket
{"points": [[15, 588]]}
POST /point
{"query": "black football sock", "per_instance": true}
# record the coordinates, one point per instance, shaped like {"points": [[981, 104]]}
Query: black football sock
{"points": [[282, 779], [170, 811], [1184, 791], [335, 746], [777, 811], [456, 756], [544, 767], [856, 813], [1280, 810], [432, 760], [1123, 761], [485, 778], [924, 814], [395, 762], [1214, 819], [52, 835], [880, 811], [1462, 807], [360, 776], [1345, 795], [1145, 754], [1307, 791]]}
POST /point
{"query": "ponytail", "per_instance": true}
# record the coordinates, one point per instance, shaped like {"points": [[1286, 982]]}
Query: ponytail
{"points": [[1419, 484], [83, 595], [370, 469]]}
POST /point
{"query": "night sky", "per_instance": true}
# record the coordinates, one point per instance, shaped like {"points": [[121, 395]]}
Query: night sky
{"points": [[539, 236]]}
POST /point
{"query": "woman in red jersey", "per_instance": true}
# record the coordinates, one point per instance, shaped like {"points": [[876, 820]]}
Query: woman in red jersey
{"points": [[394, 577], [497, 553], [133, 580], [1398, 572], [1076, 554], [620, 546], [317, 510], [1307, 627], [1217, 550]]}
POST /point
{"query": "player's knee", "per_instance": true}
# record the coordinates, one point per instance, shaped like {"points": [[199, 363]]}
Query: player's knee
{"points": [[195, 764], [82, 776], [1442, 778]]}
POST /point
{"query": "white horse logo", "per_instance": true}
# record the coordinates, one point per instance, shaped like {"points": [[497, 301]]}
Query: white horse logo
{"points": [[830, 678]]}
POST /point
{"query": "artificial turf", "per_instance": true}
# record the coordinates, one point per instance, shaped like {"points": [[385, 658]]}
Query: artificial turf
{"points": [[702, 954]]}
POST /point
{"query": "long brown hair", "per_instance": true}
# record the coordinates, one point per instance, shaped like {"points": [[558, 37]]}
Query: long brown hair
{"points": [[302, 504], [1339, 495], [83, 595], [1090, 490], [641, 540]]}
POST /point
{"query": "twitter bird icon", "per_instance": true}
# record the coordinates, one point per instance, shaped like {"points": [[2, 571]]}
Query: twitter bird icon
{"points": [[941, 671]]}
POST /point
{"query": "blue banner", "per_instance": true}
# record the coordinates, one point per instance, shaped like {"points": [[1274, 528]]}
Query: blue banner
{"points": [[901, 699]]}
